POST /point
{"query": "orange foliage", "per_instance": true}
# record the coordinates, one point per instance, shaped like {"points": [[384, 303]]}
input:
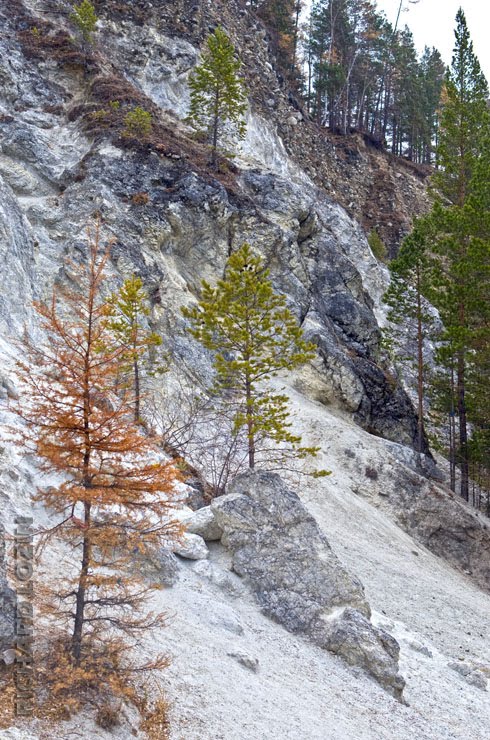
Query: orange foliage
{"points": [[116, 493]]}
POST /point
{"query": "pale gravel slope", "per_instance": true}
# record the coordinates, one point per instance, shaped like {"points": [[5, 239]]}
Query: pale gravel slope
{"points": [[299, 691], [302, 693]]}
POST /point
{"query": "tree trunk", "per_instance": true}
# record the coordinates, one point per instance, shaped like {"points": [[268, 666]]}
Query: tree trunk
{"points": [[250, 425], [452, 437], [463, 426], [76, 642], [214, 153], [136, 390], [420, 368]]}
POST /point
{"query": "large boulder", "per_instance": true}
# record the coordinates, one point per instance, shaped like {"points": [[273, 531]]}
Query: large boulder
{"points": [[297, 579]]}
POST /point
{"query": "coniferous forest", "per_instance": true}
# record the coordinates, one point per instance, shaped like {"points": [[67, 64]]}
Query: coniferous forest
{"points": [[354, 71]]}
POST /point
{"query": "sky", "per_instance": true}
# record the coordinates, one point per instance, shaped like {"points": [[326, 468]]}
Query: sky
{"points": [[432, 23]]}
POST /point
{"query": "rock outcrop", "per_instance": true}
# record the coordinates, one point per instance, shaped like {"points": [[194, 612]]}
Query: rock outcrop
{"points": [[433, 515], [173, 223], [298, 581], [408, 487], [7, 602]]}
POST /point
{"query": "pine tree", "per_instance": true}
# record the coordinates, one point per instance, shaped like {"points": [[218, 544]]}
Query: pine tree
{"points": [[253, 336], [463, 120], [114, 495], [460, 292], [218, 98], [127, 311], [411, 272], [85, 19]]}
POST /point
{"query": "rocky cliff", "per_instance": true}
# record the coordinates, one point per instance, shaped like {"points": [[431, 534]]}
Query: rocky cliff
{"points": [[305, 201], [63, 159]]}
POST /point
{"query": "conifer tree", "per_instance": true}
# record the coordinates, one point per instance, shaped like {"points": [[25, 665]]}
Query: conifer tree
{"points": [[128, 309], [462, 255], [114, 494], [411, 273], [85, 19], [218, 98], [253, 336], [464, 119]]}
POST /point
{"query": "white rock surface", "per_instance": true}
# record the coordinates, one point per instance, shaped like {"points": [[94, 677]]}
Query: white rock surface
{"points": [[192, 547], [203, 522]]}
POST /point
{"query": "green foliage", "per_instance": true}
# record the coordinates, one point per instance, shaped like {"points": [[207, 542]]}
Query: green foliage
{"points": [[218, 98], [85, 19], [378, 247], [253, 336], [464, 119], [412, 273], [455, 239], [138, 124], [127, 313], [364, 73]]}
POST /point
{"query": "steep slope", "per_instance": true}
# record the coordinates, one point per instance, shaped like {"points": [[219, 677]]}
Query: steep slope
{"points": [[186, 223], [63, 159]]}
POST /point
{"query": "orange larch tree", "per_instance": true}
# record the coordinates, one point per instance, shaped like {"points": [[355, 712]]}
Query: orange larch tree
{"points": [[116, 493]]}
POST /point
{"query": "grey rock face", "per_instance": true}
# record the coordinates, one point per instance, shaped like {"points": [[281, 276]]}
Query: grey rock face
{"points": [[167, 566], [355, 639], [471, 675], [53, 178], [7, 602], [298, 581], [436, 517], [203, 522]]}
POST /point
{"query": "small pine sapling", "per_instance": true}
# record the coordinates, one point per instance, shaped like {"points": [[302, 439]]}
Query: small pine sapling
{"points": [[85, 19], [253, 337], [128, 311], [218, 97]]}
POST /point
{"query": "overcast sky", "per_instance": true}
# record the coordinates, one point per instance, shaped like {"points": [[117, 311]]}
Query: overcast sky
{"points": [[432, 23]]}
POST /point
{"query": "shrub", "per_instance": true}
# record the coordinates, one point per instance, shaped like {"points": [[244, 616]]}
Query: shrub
{"points": [[371, 473], [137, 124], [140, 199], [85, 19], [107, 716], [155, 722], [378, 247]]}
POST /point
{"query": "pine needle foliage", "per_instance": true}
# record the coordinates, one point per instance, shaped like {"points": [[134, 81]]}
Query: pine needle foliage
{"points": [[377, 245], [218, 97], [85, 19], [138, 124], [114, 496], [459, 237], [128, 310], [253, 336], [412, 271]]}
